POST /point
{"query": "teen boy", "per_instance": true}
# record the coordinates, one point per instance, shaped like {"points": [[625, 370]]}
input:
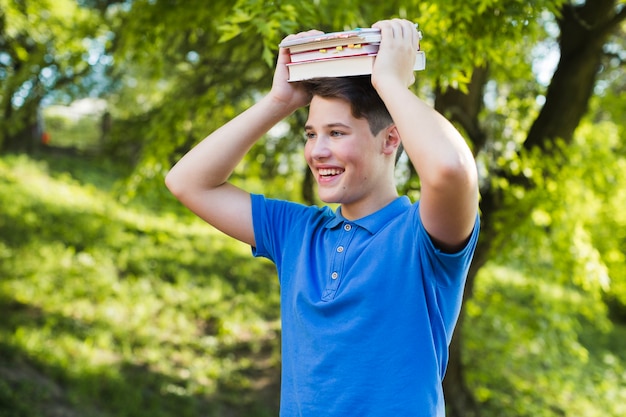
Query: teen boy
{"points": [[370, 294]]}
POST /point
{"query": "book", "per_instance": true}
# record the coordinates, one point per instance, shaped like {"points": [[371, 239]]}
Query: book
{"points": [[332, 39], [337, 54], [341, 67]]}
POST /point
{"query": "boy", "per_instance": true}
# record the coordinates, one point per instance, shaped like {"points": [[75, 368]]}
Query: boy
{"points": [[370, 294]]}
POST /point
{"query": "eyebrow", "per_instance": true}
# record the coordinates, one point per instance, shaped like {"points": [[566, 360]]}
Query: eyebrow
{"points": [[329, 126]]}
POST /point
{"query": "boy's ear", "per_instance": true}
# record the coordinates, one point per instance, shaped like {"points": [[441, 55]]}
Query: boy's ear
{"points": [[392, 140]]}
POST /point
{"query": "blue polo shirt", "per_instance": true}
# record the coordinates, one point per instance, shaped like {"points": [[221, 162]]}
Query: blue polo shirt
{"points": [[368, 308]]}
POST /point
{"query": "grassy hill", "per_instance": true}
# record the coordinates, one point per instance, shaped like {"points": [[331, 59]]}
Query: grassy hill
{"points": [[111, 306], [116, 309]]}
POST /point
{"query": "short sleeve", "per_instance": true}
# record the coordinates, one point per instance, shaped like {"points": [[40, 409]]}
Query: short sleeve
{"points": [[278, 222], [451, 268]]}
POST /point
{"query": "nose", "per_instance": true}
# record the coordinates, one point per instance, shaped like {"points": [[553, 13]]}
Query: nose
{"points": [[318, 148]]}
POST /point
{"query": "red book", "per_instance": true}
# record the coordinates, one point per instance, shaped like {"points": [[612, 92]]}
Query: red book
{"points": [[335, 52], [333, 39]]}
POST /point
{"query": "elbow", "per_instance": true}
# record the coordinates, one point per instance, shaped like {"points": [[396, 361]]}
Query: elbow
{"points": [[462, 166], [186, 186], [174, 184], [460, 173]]}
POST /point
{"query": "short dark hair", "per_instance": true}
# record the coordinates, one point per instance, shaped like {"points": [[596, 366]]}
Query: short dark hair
{"points": [[358, 91]]}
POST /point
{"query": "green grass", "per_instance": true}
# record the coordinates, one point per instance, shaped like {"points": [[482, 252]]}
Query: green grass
{"points": [[114, 309], [118, 307]]}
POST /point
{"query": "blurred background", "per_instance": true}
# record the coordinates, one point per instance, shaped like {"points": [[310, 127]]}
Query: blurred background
{"points": [[116, 301]]}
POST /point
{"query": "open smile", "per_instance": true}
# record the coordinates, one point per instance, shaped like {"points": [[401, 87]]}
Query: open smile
{"points": [[328, 175], [329, 172]]}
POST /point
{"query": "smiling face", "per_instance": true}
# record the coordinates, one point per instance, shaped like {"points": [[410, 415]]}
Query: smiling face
{"points": [[351, 165]]}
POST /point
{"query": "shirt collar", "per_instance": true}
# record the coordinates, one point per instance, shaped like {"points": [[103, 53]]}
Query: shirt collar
{"points": [[375, 221]]}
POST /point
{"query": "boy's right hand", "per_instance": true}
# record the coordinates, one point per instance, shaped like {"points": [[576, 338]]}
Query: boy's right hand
{"points": [[396, 56], [292, 95]]}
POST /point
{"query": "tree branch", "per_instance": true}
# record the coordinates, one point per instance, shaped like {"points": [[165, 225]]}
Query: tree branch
{"points": [[581, 43]]}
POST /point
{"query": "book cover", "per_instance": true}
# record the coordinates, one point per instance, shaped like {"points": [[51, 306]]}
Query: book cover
{"points": [[341, 67], [335, 52], [332, 39]]}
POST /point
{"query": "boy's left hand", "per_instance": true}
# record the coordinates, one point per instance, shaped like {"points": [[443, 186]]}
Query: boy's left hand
{"points": [[398, 49]]}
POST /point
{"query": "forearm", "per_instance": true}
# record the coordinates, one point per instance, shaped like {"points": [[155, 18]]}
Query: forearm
{"points": [[210, 163]]}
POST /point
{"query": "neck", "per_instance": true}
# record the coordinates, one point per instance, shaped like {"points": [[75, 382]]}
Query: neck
{"points": [[360, 209]]}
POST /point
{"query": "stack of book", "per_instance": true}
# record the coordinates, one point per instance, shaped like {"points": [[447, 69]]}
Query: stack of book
{"points": [[337, 54]]}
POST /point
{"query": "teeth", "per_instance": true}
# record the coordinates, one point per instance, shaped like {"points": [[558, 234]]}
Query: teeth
{"points": [[330, 171]]}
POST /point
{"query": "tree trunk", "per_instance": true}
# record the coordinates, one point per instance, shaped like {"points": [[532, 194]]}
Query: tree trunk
{"points": [[584, 31]]}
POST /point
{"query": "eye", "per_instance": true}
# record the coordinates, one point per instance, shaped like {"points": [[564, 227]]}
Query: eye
{"points": [[336, 133], [309, 135]]}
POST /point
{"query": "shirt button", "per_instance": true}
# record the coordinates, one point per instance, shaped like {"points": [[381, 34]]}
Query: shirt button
{"points": [[347, 227], [334, 275], [340, 249]]}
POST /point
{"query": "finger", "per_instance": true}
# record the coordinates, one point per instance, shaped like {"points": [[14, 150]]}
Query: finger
{"points": [[311, 32], [386, 29], [303, 34], [409, 29]]}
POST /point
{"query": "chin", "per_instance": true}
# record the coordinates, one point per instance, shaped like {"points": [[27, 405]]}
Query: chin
{"points": [[328, 199]]}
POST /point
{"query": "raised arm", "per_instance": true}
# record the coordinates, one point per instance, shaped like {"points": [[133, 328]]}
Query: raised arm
{"points": [[444, 163], [199, 179]]}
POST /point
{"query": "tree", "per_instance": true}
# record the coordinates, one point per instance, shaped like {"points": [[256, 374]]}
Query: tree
{"points": [[584, 29], [45, 47]]}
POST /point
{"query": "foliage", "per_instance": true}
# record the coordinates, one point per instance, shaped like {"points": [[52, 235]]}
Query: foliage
{"points": [[81, 134], [538, 337], [575, 223], [532, 349], [111, 309], [576, 231], [44, 48]]}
